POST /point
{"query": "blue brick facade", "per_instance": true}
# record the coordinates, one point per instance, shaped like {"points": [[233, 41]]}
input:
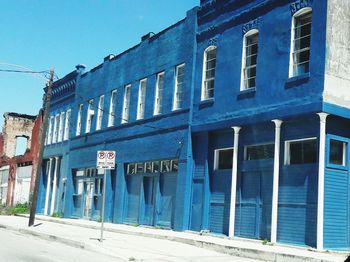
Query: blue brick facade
{"points": [[176, 163]]}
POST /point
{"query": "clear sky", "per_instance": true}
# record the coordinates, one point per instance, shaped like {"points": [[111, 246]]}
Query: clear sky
{"points": [[63, 33]]}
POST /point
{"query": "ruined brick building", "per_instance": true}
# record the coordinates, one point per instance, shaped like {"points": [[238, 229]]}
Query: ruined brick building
{"points": [[17, 168]]}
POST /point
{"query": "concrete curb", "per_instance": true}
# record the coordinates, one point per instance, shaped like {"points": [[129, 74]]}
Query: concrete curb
{"points": [[225, 249]]}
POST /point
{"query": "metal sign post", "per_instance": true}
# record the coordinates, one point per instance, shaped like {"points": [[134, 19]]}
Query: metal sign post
{"points": [[105, 160]]}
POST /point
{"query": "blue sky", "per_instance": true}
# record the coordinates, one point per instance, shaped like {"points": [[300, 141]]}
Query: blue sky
{"points": [[61, 34]]}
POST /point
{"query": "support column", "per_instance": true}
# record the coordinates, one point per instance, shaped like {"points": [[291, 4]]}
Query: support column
{"points": [[321, 166], [234, 181], [54, 186], [48, 187], [276, 173]]}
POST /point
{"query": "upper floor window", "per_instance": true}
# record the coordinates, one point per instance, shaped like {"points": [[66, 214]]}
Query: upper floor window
{"points": [[67, 125], [60, 129], [300, 46], [80, 111], [100, 112], [126, 104], [55, 129], [112, 108], [209, 65], [90, 115], [49, 135], [301, 151], [159, 94], [179, 83], [141, 99], [337, 152], [249, 61]]}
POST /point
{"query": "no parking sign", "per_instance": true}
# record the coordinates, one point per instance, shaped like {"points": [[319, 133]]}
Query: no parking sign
{"points": [[105, 159]]}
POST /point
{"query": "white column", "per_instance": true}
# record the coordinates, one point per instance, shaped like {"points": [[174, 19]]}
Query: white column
{"points": [[54, 186], [276, 173], [48, 186], [321, 161], [234, 181]]}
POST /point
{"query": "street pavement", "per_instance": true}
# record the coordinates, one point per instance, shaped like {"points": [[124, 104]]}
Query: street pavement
{"points": [[131, 243]]}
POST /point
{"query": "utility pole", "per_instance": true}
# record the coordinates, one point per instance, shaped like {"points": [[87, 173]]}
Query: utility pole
{"points": [[42, 135]]}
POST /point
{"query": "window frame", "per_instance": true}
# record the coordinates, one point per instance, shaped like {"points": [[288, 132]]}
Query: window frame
{"points": [[80, 112], [287, 150], [158, 98], [67, 125], [204, 92], [61, 127], [302, 12], [244, 67], [257, 145], [50, 134], [55, 129], [216, 158], [141, 100], [112, 105], [126, 104], [101, 101], [345, 152], [178, 92], [89, 118]]}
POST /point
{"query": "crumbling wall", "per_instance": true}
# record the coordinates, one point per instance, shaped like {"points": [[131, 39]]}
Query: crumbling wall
{"points": [[16, 125]]}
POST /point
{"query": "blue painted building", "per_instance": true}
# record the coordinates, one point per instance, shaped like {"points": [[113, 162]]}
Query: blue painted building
{"points": [[233, 120]]}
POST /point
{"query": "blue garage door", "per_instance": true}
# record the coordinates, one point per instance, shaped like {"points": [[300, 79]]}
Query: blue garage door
{"points": [[254, 205], [133, 185], [166, 206], [219, 216]]}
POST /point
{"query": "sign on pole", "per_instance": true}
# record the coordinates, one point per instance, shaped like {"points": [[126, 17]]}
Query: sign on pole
{"points": [[105, 159]]}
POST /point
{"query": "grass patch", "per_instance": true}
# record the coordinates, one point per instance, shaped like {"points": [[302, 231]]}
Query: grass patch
{"points": [[18, 209]]}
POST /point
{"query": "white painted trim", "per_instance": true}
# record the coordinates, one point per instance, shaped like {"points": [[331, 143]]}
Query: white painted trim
{"points": [[80, 111], [176, 86], [234, 181], [112, 104], [101, 101], [276, 173], [156, 108], [126, 104], [141, 99], [321, 166]]}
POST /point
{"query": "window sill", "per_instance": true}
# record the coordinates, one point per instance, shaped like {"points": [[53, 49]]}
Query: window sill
{"points": [[248, 93], [297, 80], [206, 103], [335, 166]]}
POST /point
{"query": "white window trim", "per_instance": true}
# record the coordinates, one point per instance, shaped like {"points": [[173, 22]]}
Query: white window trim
{"points": [[60, 129], [67, 124], [175, 101], [287, 148], [126, 104], [301, 12], [49, 135], [158, 95], [141, 100], [209, 48], [101, 101], [90, 113], [111, 116], [80, 111], [216, 156], [55, 129], [249, 33]]}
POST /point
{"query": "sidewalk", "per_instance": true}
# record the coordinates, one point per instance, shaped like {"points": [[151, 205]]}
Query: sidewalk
{"points": [[85, 234]]}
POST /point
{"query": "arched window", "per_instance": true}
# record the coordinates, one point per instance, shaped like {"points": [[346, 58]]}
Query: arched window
{"points": [[249, 59], [209, 64], [300, 45]]}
